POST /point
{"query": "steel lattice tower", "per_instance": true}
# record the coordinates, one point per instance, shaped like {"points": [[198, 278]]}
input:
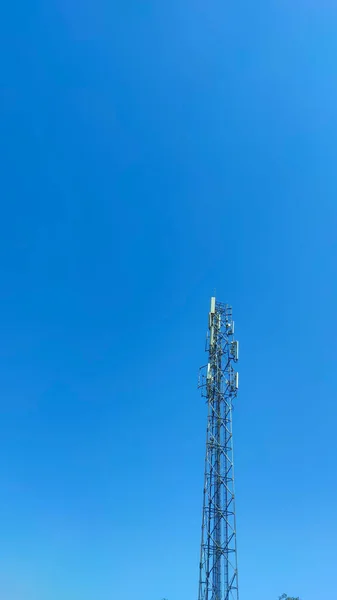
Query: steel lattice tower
{"points": [[219, 382]]}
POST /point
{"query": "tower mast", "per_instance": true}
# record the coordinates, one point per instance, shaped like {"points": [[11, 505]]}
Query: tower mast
{"points": [[219, 382]]}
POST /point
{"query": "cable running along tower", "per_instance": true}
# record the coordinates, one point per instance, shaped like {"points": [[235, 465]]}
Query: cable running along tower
{"points": [[219, 382]]}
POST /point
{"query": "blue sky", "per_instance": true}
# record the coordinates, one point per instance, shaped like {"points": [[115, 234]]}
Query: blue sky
{"points": [[153, 152]]}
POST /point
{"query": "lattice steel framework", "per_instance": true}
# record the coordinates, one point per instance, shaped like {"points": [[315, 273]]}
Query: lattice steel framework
{"points": [[219, 382]]}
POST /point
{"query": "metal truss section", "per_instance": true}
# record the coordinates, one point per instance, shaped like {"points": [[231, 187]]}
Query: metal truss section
{"points": [[219, 381]]}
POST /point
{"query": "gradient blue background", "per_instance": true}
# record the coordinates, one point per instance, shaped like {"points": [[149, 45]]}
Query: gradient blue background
{"points": [[152, 152]]}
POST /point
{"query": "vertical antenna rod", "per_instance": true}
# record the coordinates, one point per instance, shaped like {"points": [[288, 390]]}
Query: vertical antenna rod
{"points": [[219, 382]]}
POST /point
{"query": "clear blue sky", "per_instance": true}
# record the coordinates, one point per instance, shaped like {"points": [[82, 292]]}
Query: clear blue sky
{"points": [[152, 152]]}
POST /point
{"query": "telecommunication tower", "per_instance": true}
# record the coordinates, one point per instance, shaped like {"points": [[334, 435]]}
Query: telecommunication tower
{"points": [[219, 382]]}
